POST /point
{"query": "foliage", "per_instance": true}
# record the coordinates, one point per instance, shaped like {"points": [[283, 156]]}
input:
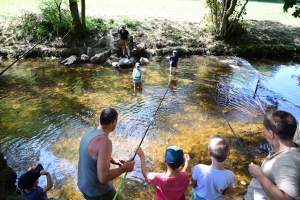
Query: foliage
{"points": [[96, 25], [289, 4], [132, 24], [224, 16]]}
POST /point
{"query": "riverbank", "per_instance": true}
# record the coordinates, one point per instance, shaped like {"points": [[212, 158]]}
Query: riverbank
{"points": [[158, 37]]}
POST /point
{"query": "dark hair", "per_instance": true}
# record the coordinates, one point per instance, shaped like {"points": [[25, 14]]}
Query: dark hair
{"points": [[282, 123], [108, 115], [174, 166], [218, 147]]}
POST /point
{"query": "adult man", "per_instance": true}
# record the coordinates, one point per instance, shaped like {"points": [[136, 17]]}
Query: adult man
{"points": [[124, 40], [95, 150], [279, 175]]}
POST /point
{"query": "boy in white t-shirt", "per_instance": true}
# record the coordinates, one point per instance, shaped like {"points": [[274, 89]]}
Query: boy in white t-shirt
{"points": [[213, 181]]}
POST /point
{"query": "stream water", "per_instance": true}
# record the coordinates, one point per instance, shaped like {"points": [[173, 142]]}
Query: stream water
{"points": [[46, 108]]}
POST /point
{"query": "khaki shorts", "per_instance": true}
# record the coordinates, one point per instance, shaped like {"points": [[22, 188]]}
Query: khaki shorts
{"points": [[173, 69], [124, 42]]}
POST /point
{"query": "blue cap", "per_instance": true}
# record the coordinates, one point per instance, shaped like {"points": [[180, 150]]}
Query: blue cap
{"points": [[174, 155], [27, 180]]}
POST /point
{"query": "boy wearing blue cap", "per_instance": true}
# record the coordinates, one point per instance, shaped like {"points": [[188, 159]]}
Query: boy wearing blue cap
{"points": [[171, 184], [28, 183]]}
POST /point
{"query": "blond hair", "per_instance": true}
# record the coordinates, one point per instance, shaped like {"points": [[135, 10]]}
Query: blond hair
{"points": [[218, 147]]}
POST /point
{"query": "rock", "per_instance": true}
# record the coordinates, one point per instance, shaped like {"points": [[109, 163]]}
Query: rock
{"points": [[69, 61], [7, 177], [84, 58], [139, 50], [144, 61], [157, 58], [109, 61], [104, 41], [126, 63], [114, 32], [90, 52], [114, 58], [100, 57], [151, 52], [115, 64]]}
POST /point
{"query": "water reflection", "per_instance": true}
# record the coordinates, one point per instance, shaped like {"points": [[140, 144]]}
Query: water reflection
{"points": [[46, 109]]}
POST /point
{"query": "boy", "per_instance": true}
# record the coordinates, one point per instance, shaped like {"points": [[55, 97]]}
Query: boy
{"points": [[28, 183], [213, 181], [137, 77], [173, 63], [171, 184]]}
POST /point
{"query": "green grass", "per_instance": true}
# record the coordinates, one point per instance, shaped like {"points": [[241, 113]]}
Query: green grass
{"points": [[183, 10]]}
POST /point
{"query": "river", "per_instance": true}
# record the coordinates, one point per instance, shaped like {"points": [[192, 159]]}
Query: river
{"points": [[46, 108]]}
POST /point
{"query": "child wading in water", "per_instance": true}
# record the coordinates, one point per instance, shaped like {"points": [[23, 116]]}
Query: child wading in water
{"points": [[28, 183], [213, 181], [137, 78], [171, 184]]}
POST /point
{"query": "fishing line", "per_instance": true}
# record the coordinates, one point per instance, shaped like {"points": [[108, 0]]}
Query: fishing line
{"points": [[151, 122], [237, 138]]}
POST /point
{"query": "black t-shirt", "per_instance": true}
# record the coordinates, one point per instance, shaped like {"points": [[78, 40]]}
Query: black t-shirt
{"points": [[124, 35]]}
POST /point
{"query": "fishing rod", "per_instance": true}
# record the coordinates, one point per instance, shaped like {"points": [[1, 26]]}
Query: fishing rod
{"points": [[237, 138], [21, 56], [151, 122]]}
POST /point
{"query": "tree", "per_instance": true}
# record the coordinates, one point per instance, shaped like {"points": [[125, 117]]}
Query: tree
{"points": [[79, 26], [224, 16], [289, 4]]}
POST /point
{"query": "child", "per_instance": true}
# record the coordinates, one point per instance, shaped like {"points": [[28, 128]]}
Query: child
{"points": [[28, 183], [173, 63], [171, 184], [137, 77], [213, 181]]}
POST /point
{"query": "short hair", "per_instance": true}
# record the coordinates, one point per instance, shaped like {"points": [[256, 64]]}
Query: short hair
{"points": [[282, 123], [107, 116], [218, 147]]}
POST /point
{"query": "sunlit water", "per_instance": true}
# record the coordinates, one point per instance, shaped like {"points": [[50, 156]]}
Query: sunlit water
{"points": [[46, 109]]}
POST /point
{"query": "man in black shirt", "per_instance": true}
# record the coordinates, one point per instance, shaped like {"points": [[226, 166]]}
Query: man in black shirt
{"points": [[124, 42]]}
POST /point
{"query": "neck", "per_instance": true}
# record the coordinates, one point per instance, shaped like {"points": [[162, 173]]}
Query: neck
{"points": [[105, 128], [282, 145], [171, 172], [216, 165]]}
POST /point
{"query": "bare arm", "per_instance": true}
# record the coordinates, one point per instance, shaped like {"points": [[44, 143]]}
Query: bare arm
{"points": [[104, 173], [186, 163], [141, 154], [193, 182], [49, 181], [226, 191], [271, 190]]}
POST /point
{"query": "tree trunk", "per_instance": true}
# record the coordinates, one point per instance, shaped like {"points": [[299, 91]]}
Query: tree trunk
{"points": [[223, 26], [83, 15], [76, 19]]}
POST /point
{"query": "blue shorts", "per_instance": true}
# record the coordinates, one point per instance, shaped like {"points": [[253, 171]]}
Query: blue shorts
{"points": [[196, 197]]}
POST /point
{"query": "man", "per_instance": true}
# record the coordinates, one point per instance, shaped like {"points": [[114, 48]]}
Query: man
{"points": [[279, 175], [95, 150], [124, 40], [173, 63]]}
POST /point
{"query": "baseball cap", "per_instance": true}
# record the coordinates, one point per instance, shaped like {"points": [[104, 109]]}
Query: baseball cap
{"points": [[27, 180], [122, 25], [174, 156], [174, 51], [137, 64]]}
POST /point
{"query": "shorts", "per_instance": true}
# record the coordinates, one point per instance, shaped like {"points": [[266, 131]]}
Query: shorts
{"points": [[124, 42], [173, 69], [138, 84], [107, 196], [196, 197]]}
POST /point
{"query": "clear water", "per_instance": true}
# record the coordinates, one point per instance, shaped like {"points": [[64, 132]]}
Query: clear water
{"points": [[46, 109]]}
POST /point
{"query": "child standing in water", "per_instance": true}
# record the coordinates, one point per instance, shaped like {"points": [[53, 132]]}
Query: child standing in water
{"points": [[28, 183], [171, 184], [173, 63], [213, 181], [137, 78]]}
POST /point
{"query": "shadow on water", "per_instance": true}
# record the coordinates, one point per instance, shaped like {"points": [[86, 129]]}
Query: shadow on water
{"points": [[47, 108]]}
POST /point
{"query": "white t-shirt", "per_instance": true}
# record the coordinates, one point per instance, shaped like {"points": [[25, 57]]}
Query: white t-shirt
{"points": [[283, 169], [212, 182]]}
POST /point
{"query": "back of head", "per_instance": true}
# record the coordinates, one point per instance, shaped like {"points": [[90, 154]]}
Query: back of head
{"points": [[174, 157], [282, 123], [218, 147], [27, 180], [107, 116]]}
